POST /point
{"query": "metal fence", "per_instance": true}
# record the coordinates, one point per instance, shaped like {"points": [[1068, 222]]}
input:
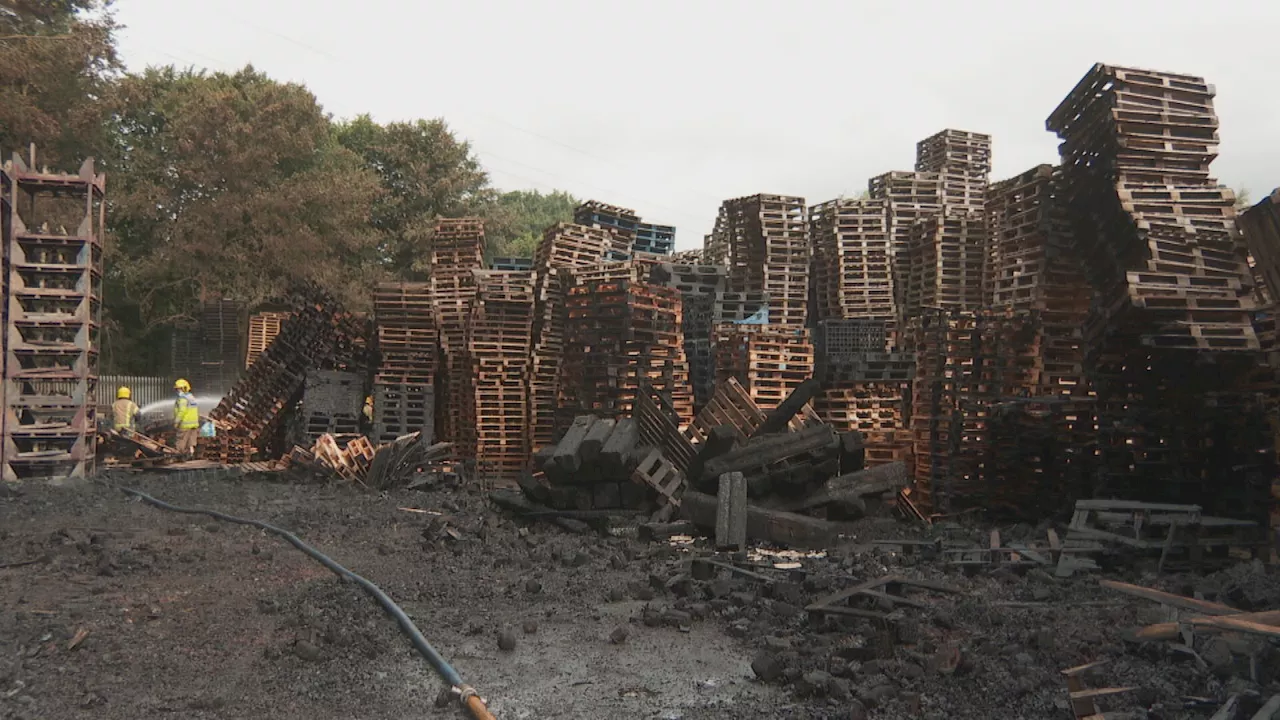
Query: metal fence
{"points": [[146, 391]]}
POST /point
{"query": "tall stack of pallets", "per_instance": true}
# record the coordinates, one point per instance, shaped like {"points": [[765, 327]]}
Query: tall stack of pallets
{"points": [[408, 352], [457, 249], [500, 341], [908, 197], [865, 386], [53, 253], [948, 262], [564, 246], [263, 328], [1260, 225], [767, 253], [852, 255], [962, 160], [1033, 269], [949, 249], [621, 333], [1170, 339]]}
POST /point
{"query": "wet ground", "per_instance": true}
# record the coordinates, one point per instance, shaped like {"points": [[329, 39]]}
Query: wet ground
{"points": [[112, 609]]}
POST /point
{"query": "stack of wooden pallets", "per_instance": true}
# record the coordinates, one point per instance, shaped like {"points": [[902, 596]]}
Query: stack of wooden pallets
{"points": [[457, 249], [500, 336], [408, 351], [622, 332], [53, 234], [766, 248], [263, 328], [769, 362], [1170, 340], [564, 246]]}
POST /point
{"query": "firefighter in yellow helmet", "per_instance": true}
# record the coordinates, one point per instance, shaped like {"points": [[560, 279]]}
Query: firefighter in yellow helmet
{"points": [[124, 412], [186, 418]]}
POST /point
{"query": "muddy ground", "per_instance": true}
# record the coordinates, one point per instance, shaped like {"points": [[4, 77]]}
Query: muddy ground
{"points": [[126, 611]]}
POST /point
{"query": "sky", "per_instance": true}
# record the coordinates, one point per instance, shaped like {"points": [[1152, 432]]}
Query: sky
{"points": [[672, 106]]}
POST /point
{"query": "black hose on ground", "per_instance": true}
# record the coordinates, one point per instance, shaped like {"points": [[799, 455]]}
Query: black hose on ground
{"points": [[466, 694]]}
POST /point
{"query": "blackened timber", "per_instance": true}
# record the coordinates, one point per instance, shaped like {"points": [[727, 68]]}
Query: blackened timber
{"points": [[719, 441], [848, 490], [778, 418], [772, 526], [595, 440], [566, 455], [853, 452], [617, 450], [772, 449]]}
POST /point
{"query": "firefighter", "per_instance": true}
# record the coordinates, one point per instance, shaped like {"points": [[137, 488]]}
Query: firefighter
{"points": [[186, 418], [124, 412]]}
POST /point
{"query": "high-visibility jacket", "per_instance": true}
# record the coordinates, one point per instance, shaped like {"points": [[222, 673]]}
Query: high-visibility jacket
{"points": [[124, 414], [186, 416]]}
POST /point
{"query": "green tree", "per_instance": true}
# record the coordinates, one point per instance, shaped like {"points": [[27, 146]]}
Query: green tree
{"points": [[57, 63], [519, 217], [425, 172], [230, 185]]}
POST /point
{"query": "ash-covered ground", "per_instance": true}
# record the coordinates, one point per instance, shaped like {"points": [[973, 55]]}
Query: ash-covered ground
{"points": [[113, 609]]}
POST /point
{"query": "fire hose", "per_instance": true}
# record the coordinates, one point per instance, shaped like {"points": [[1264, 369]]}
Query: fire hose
{"points": [[466, 696]]}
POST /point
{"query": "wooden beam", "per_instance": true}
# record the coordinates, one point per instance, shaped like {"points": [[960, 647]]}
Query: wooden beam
{"points": [[770, 525], [1185, 603]]}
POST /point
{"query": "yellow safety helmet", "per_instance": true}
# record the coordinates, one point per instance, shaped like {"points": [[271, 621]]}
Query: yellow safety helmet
{"points": [[182, 385], [123, 393]]}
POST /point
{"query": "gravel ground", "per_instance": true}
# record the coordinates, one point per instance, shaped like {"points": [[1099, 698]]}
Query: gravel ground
{"points": [[128, 611]]}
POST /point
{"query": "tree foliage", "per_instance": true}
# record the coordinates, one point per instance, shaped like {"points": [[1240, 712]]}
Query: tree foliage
{"points": [[57, 63], [425, 172], [517, 220], [233, 185]]}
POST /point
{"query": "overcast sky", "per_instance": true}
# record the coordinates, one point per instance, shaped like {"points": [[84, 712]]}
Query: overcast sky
{"points": [[671, 106]]}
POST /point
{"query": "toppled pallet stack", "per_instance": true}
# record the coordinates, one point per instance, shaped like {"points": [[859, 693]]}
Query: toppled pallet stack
{"points": [[768, 361], [765, 243], [457, 248], [53, 234], [564, 246], [263, 328], [622, 331], [1156, 234], [250, 413], [408, 345], [500, 337]]}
